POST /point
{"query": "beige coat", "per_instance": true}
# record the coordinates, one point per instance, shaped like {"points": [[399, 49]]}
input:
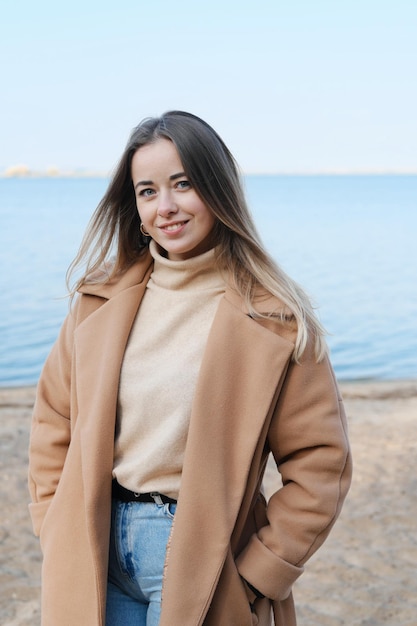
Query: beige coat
{"points": [[250, 399]]}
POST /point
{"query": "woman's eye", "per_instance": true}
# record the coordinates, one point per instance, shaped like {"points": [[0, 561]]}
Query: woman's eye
{"points": [[145, 193], [183, 184]]}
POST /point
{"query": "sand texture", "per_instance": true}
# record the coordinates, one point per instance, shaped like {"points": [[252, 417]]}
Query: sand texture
{"points": [[366, 572]]}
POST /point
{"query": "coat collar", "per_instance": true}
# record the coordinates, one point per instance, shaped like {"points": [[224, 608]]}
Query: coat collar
{"points": [[139, 272]]}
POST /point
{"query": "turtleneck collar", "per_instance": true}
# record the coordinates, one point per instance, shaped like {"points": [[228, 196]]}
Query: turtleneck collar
{"points": [[198, 272]]}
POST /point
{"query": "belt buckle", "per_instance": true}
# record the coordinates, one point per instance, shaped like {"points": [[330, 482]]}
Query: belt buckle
{"points": [[156, 497]]}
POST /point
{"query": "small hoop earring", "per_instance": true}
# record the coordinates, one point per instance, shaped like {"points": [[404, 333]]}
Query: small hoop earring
{"points": [[143, 231]]}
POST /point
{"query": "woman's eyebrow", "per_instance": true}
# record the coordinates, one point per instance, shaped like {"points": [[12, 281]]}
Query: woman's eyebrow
{"points": [[175, 176], [143, 183]]}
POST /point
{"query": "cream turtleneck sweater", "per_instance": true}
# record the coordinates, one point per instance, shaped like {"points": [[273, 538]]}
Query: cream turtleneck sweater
{"points": [[160, 370]]}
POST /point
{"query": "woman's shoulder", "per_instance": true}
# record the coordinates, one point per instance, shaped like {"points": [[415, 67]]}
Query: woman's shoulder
{"points": [[262, 304], [268, 310], [273, 314], [107, 281]]}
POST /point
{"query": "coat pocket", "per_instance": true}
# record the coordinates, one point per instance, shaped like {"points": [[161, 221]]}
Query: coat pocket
{"points": [[230, 605], [38, 511]]}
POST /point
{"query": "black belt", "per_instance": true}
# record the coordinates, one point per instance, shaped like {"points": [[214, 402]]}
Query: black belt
{"points": [[125, 495]]}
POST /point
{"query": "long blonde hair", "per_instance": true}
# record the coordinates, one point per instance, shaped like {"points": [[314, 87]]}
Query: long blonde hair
{"points": [[115, 226]]}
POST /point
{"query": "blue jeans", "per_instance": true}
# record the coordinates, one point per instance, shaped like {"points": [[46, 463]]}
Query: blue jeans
{"points": [[138, 540]]}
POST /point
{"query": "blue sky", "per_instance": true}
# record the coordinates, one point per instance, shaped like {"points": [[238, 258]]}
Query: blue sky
{"points": [[294, 86]]}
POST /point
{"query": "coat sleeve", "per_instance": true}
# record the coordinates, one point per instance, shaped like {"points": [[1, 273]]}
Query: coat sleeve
{"points": [[308, 438], [51, 428]]}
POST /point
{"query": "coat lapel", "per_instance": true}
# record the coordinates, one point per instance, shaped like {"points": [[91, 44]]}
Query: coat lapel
{"points": [[100, 342], [240, 373]]}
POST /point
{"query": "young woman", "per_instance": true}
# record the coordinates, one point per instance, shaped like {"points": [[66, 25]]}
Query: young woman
{"points": [[187, 358]]}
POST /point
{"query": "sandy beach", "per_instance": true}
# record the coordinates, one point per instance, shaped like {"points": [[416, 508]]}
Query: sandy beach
{"points": [[366, 573]]}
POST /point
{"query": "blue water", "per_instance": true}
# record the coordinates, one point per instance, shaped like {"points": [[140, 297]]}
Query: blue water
{"points": [[349, 240]]}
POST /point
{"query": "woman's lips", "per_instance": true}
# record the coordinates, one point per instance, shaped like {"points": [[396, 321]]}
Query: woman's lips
{"points": [[175, 227]]}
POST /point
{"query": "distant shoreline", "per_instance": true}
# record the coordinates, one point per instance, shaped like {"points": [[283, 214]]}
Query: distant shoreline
{"points": [[58, 175], [372, 389]]}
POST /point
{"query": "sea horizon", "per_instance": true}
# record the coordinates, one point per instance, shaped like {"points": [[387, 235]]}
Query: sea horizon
{"points": [[349, 241], [22, 172]]}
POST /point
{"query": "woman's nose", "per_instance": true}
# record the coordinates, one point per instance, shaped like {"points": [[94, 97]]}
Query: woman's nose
{"points": [[166, 204]]}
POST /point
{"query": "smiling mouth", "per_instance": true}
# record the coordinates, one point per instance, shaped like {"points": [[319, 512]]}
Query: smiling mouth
{"points": [[173, 227]]}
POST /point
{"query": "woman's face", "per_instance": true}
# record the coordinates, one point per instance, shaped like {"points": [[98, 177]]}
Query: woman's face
{"points": [[169, 208]]}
